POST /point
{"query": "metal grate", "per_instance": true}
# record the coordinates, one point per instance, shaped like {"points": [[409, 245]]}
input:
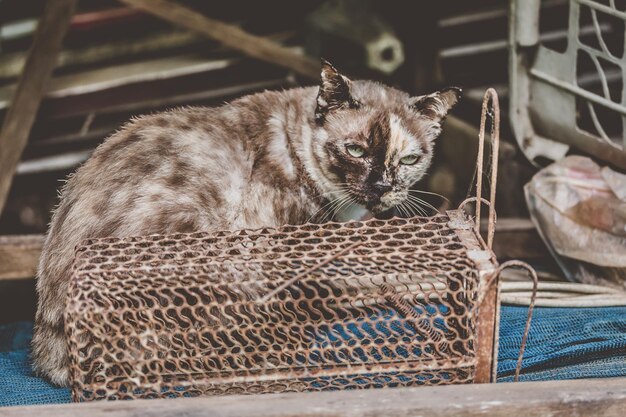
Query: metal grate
{"points": [[380, 303], [575, 96]]}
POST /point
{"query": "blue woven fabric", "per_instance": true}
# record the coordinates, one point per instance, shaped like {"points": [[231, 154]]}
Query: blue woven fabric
{"points": [[18, 385], [563, 344]]}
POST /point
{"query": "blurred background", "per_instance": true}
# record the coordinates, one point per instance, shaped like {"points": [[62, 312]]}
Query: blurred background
{"points": [[117, 62], [557, 65]]}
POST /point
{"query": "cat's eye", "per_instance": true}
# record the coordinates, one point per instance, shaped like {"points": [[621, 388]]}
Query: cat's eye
{"points": [[355, 150], [409, 160]]}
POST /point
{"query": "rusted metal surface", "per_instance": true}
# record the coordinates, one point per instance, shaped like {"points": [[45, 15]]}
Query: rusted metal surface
{"points": [[487, 326], [183, 314], [490, 96], [488, 305]]}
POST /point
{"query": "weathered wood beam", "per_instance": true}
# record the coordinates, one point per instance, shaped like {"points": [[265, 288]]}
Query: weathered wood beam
{"points": [[11, 65], [19, 256], [516, 238], [597, 397], [31, 88], [230, 35], [100, 79]]}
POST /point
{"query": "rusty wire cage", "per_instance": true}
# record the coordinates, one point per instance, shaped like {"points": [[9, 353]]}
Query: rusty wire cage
{"points": [[378, 303]]}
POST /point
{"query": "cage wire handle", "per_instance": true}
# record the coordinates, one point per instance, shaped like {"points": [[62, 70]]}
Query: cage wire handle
{"points": [[485, 201], [490, 95], [493, 278]]}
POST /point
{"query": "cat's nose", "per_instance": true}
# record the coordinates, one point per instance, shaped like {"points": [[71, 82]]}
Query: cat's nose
{"points": [[381, 187]]}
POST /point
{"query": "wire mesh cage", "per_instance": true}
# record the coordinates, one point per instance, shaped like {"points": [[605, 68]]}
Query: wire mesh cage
{"points": [[378, 303]]}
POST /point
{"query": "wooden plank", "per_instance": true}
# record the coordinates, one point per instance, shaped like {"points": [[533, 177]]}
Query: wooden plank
{"points": [[104, 18], [519, 245], [510, 224], [111, 76], [120, 75], [19, 256], [230, 35], [11, 65], [517, 238], [31, 88], [597, 397]]}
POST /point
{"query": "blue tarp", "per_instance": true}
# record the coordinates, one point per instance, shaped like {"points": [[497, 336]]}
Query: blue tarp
{"points": [[563, 344]]}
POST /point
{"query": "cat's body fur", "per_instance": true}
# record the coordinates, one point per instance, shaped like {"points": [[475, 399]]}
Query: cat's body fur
{"points": [[262, 160]]}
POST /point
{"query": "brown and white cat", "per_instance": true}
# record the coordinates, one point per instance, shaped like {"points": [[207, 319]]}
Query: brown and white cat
{"points": [[268, 159]]}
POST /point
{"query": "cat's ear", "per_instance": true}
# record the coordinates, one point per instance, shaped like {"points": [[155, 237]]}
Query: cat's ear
{"points": [[436, 106], [334, 92]]}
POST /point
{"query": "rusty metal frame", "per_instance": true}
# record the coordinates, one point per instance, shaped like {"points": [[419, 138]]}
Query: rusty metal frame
{"points": [[480, 252], [488, 312]]}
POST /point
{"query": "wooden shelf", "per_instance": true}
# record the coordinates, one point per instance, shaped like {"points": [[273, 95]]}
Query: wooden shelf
{"points": [[597, 397]]}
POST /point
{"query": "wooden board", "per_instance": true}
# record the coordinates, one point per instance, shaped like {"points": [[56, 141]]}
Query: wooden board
{"points": [[19, 256], [119, 75], [116, 75], [598, 398], [516, 238], [31, 88], [230, 36]]}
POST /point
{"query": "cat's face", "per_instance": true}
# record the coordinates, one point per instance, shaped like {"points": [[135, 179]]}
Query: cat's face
{"points": [[373, 142]]}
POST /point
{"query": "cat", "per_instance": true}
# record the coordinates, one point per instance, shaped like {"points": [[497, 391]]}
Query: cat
{"points": [[264, 160]]}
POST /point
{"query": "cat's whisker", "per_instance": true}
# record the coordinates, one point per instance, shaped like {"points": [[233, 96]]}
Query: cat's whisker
{"points": [[322, 208], [410, 210], [397, 211], [334, 208], [329, 209], [346, 203], [402, 210], [430, 193], [416, 207], [418, 210], [422, 203], [338, 203], [332, 211]]}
